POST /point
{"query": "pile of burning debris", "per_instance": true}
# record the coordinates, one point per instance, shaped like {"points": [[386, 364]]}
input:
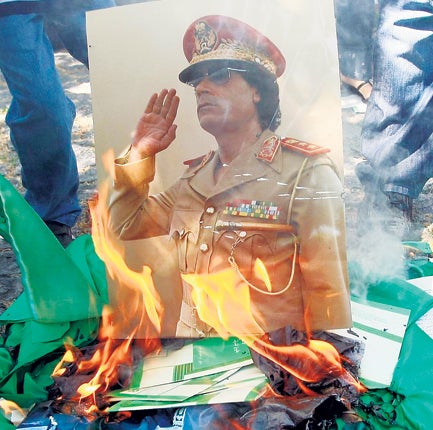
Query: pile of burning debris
{"points": [[295, 380], [81, 396]]}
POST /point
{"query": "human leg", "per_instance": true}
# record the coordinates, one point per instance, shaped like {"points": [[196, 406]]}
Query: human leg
{"points": [[356, 23], [397, 132], [362, 88], [40, 119], [68, 19]]}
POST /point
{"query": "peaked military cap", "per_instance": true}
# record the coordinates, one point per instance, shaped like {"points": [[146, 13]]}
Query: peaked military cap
{"points": [[215, 39]]}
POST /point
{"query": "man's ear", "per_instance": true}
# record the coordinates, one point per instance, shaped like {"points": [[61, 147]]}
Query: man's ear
{"points": [[256, 96]]}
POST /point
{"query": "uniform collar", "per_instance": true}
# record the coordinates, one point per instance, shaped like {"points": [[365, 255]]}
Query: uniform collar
{"points": [[250, 165]]}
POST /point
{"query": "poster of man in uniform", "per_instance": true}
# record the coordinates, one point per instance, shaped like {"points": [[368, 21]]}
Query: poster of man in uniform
{"points": [[223, 122]]}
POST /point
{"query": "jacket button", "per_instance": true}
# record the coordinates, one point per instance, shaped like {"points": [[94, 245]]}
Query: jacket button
{"points": [[210, 210], [204, 247]]}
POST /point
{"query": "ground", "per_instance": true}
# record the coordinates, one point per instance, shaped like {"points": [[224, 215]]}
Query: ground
{"points": [[76, 83]]}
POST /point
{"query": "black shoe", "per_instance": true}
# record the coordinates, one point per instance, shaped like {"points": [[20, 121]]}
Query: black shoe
{"points": [[62, 231], [391, 211], [401, 202]]}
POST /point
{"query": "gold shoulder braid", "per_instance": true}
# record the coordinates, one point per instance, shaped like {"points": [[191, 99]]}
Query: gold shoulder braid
{"points": [[306, 148]]}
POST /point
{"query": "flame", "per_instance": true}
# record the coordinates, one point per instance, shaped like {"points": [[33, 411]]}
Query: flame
{"points": [[261, 273], [68, 357], [9, 407], [135, 308], [223, 301], [313, 362], [135, 295], [12, 411]]}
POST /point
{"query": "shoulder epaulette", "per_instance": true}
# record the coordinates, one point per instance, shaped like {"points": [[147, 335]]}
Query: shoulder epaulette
{"points": [[305, 148], [199, 161], [269, 149]]}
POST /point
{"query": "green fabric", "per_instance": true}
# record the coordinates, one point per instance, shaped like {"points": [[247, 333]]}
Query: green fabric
{"points": [[407, 402], [31, 351], [64, 291], [56, 289], [5, 424], [341, 425]]}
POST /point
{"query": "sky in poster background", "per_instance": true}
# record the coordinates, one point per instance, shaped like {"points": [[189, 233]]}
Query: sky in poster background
{"points": [[137, 50]]}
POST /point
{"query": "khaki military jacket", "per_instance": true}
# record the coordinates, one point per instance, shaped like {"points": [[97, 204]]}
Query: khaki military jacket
{"points": [[278, 202]]}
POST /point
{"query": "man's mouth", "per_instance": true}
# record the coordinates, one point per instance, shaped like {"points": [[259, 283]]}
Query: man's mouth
{"points": [[205, 102], [204, 105]]}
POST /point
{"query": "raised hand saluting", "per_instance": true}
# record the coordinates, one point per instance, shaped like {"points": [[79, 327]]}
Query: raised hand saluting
{"points": [[155, 130]]}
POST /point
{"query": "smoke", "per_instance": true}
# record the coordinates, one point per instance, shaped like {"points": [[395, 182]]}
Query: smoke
{"points": [[374, 247]]}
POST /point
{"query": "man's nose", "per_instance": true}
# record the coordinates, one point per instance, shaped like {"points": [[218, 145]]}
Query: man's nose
{"points": [[203, 86]]}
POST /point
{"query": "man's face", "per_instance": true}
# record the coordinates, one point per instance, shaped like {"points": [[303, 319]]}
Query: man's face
{"points": [[225, 101]]}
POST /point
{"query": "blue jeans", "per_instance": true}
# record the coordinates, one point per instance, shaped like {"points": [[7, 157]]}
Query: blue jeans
{"points": [[41, 116], [397, 133], [356, 23], [68, 19]]}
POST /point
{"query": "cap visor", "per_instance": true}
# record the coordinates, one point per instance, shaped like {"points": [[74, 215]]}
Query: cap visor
{"points": [[201, 68]]}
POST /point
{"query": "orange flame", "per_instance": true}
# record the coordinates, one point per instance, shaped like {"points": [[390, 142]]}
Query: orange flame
{"points": [[314, 362], [261, 273], [135, 307], [68, 357], [223, 301], [12, 411], [10, 407], [134, 298], [135, 294]]}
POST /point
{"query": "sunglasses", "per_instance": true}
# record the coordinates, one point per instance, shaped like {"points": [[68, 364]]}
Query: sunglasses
{"points": [[217, 77]]}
